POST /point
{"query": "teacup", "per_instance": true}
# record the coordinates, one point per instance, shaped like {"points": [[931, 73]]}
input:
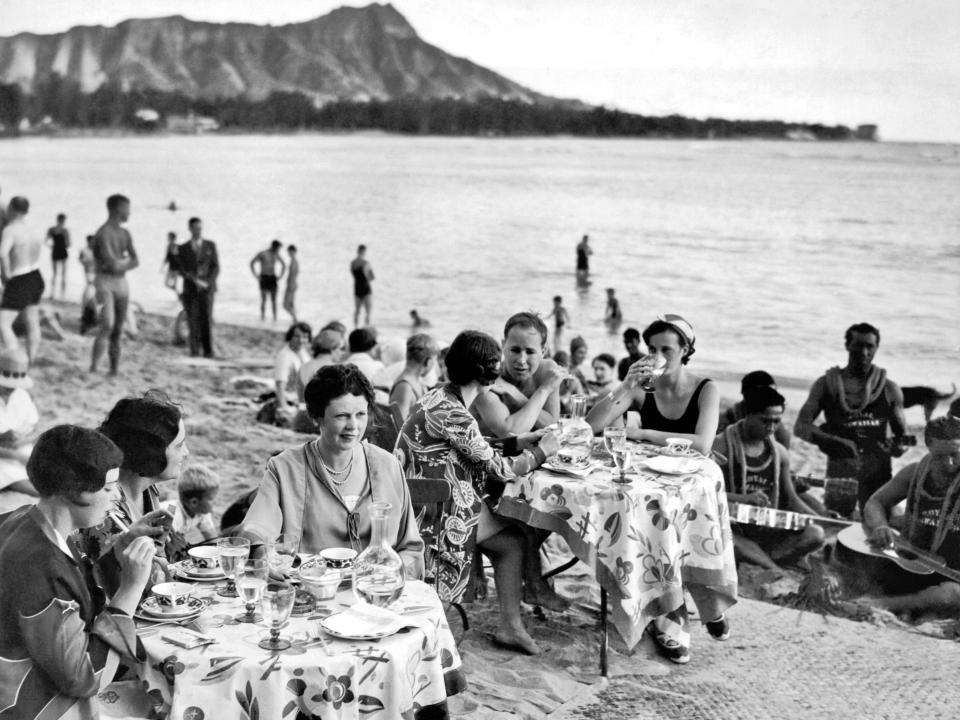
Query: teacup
{"points": [[338, 558], [679, 446], [320, 581], [172, 594], [205, 557]]}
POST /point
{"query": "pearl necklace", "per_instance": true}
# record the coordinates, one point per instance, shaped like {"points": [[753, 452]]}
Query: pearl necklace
{"points": [[333, 473]]}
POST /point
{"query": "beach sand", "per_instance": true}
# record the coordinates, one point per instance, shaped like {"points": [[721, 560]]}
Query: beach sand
{"points": [[223, 434]]}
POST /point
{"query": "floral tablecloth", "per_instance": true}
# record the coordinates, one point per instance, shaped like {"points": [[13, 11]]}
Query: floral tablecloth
{"points": [[394, 677], [647, 542]]}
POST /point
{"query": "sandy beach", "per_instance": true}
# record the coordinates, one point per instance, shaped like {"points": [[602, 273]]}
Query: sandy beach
{"points": [[223, 434]]}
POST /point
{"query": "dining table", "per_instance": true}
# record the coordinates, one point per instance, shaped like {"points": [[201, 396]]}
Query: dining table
{"points": [[649, 542], [408, 673]]}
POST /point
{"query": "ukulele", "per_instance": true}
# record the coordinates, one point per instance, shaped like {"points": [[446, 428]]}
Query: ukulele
{"points": [[771, 517], [903, 553]]}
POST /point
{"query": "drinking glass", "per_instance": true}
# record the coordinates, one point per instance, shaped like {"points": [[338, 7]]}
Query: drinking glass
{"points": [[277, 602], [281, 553], [621, 455], [614, 437], [251, 581], [660, 365], [233, 552]]}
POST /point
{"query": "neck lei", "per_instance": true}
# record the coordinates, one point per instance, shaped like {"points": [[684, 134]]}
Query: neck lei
{"points": [[949, 509]]}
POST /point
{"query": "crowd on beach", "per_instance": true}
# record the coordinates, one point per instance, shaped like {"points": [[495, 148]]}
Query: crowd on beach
{"points": [[85, 533]]}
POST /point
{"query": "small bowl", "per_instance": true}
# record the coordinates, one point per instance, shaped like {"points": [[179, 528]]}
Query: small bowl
{"points": [[172, 594], [338, 558], [679, 445], [205, 557], [320, 581]]}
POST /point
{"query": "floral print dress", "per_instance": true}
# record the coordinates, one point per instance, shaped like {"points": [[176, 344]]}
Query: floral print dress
{"points": [[441, 439]]}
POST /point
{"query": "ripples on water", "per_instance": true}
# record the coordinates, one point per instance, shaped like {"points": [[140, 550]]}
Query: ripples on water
{"points": [[771, 249]]}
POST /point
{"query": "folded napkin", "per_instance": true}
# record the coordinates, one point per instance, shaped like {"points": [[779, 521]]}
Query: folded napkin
{"points": [[363, 619]]}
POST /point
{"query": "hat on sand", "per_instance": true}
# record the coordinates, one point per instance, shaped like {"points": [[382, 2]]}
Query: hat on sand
{"points": [[14, 366]]}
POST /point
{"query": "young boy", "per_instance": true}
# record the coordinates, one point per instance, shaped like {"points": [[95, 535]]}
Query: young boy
{"points": [[198, 488]]}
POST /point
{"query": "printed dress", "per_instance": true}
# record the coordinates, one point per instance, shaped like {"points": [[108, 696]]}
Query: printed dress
{"points": [[441, 439]]}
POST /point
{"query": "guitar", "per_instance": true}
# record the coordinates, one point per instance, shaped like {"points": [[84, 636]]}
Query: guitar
{"points": [[903, 553], [771, 517]]}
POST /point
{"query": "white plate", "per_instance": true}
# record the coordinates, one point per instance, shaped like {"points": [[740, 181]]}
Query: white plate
{"points": [[185, 569], [688, 453], [150, 609], [670, 465], [348, 626]]}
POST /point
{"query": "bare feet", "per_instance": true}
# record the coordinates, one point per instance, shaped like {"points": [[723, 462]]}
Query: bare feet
{"points": [[544, 596], [516, 639]]}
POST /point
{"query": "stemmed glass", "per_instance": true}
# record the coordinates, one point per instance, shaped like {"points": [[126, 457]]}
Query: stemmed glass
{"points": [[614, 437], [656, 370], [277, 602], [251, 582], [615, 440], [233, 552], [281, 554]]}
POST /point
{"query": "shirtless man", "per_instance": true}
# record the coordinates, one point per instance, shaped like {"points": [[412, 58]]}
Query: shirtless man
{"points": [[859, 404], [560, 320], [267, 276], [583, 259], [631, 341], [20, 250], [293, 274], [59, 239], [525, 397], [362, 290], [612, 315], [114, 254], [757, 470], [931, 488]]}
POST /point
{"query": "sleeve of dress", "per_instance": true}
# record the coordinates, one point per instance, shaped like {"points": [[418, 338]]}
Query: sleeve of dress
{"points": [[461, 429], [58, 641], [264, 519]]}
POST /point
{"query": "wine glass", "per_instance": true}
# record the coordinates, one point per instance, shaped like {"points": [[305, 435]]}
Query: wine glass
{"points": [[621, 455], [614, 437], [656, 370], [251, 581], [277, 602], [281, 554], [233, 552]]}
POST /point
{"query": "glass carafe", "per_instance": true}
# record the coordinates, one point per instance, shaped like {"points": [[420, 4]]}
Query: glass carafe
{"points": [[577, 439], [378, 576]]}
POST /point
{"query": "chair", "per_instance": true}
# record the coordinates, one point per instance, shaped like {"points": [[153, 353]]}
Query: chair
{"points": [[384, 426], [429, 496]]}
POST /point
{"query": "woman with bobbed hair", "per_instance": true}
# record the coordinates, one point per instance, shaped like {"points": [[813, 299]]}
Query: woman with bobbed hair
{"points": [[681, 404], [441, 439], [59, 640], [321, 492], [150, 433]]}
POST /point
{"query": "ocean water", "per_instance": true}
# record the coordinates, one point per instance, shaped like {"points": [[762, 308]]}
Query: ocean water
{"points": [[770, 249]]}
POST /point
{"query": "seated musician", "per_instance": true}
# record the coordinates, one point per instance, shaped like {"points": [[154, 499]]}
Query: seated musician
{"points": [[931, 488], [525, 397], [757, 470], [681, 405]]}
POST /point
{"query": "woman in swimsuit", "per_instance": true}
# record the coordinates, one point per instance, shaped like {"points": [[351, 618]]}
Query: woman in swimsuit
{"points": [[421, 359], [681, 405]]}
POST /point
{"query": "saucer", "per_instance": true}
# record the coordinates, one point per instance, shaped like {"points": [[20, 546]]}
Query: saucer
{"points": [[186, 569], [150, 609]]}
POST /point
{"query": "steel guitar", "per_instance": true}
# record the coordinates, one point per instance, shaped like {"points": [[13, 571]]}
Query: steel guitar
{"points": [[784, 519], [903, 553]]}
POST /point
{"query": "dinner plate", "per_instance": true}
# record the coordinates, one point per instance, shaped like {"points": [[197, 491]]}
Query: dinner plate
{"points": [[367, 623], [670, 465], [150, 609], [186, 569]]}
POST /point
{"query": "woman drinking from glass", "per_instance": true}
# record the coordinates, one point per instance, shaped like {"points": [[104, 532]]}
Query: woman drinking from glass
{"points": [[321, 492]]}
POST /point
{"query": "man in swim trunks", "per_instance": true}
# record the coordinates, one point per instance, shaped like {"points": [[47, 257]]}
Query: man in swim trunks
{"points": [[631, 341], [114, 254], [560, 319], [59, 238], [293, 275], [20, 249], [859, 404], [931, 489], [757, 471], [613, 315], [583, 259], [267, 276], [362, 290]]}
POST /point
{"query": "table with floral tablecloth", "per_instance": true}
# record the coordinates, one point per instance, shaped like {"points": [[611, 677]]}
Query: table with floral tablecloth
{"points": [[394, 677], [647, 542]]}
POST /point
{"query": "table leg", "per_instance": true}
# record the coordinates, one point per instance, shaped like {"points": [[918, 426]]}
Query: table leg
{"points": [[603, 632]]}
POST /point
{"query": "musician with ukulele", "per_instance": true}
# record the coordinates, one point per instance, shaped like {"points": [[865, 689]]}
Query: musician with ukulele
{"points": [[757, 470], [931, 488]]}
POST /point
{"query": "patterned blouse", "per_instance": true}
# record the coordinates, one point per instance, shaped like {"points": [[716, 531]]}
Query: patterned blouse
{"points": [[441, 439]]}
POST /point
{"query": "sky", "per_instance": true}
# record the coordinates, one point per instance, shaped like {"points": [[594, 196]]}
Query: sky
{"points": [[895, 63]]}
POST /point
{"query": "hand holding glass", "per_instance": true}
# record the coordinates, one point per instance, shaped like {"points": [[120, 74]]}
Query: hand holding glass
{"points": [[281, 554]]}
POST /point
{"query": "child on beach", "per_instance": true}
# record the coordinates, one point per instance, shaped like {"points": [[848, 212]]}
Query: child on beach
{"points": [[192, 518]]}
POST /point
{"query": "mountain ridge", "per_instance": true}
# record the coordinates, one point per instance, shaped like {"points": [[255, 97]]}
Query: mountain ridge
{"points": [[353, 54]]}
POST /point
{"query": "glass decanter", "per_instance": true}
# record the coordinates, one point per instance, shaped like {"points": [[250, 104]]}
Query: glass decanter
{"points": [[378, 574], [577, 439]]}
